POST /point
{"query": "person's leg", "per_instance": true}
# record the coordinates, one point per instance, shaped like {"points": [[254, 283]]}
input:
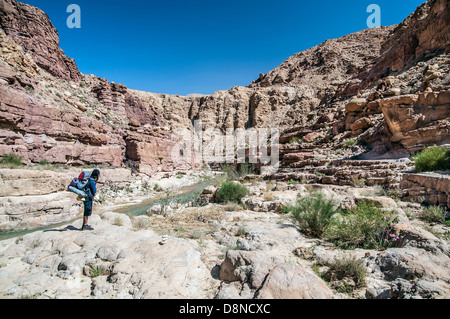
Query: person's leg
{"points": [[87, 214]]}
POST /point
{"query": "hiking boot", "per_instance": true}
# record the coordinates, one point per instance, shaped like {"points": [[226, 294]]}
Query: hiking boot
{"points": [[86, 227]]}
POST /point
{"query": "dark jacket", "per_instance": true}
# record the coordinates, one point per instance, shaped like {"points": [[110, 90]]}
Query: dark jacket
{"points": [[91, 189]]}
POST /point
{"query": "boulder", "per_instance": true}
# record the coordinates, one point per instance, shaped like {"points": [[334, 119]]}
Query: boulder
{"points": [[418, 120], [288, 281], [392, 92], [209, 193], [311, 137], [361, 124], [24, 212], [356, 105], [25, 182], [272, 278]]}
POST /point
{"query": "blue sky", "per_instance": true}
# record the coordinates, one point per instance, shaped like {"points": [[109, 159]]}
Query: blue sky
{"points": [[201, 46]]}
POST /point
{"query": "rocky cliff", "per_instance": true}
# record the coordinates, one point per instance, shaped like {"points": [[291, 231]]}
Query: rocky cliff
{"points": [[51, 112], [31, 29]]}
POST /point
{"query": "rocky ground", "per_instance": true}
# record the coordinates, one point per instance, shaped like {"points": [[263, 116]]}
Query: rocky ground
{"points": [[223, 251]]}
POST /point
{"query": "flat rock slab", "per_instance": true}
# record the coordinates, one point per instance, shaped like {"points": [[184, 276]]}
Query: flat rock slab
{"points": [[110, 262]]}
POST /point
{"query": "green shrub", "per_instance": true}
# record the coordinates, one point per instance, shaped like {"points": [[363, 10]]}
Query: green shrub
{"points": [[347, 267], [433, 159], [313, 213], [363, 226], [11, 160], [43, 162], [433, 214], [235, 172], [231, 192]]}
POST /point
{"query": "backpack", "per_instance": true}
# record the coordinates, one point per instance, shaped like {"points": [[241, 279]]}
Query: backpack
{"points": [[81, 182]]}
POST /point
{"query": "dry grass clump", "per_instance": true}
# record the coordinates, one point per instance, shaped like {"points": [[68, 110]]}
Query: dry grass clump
{"points": [[193, 222]]}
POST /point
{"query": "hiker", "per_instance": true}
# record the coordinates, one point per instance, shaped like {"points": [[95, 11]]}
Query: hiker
{"points": [[90, 190]]}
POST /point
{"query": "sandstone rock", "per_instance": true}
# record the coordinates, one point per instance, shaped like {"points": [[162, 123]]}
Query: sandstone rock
{"points": [[432, 76], [288, 281], [273, 278], [418, 120], [132, 264], [57, 135], [410, 263], [26, 212], [373, 106], [21, 182], [256, 204], [311, 137], [41, 40], [326, 118], [425, 30], [381, 202], [135, 123], [249, 267], [392, 92], [209, 193], [81, 106], [361, 124], [356, 105], [433, 188]]}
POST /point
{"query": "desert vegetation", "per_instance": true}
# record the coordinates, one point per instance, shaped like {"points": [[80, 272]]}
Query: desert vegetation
{"points": [[435, 158], [364, 226]]}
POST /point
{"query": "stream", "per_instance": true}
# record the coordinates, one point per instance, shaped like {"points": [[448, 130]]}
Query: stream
{"points": [[184, 194]]}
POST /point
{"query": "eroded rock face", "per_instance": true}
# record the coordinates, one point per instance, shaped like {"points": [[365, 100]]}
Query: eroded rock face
{"points": [[36, 132], [31, 28], [423, 32], [418, 120], [116, 97], [425, 29], [431, 188], [324, 68]]}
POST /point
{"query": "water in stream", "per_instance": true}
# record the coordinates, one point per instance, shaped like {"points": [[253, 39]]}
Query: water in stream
{"points": [[184, 195]]}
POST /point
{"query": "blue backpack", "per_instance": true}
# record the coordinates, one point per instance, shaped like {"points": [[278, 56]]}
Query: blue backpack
{"points": [[78, 185], [82, 181]]}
